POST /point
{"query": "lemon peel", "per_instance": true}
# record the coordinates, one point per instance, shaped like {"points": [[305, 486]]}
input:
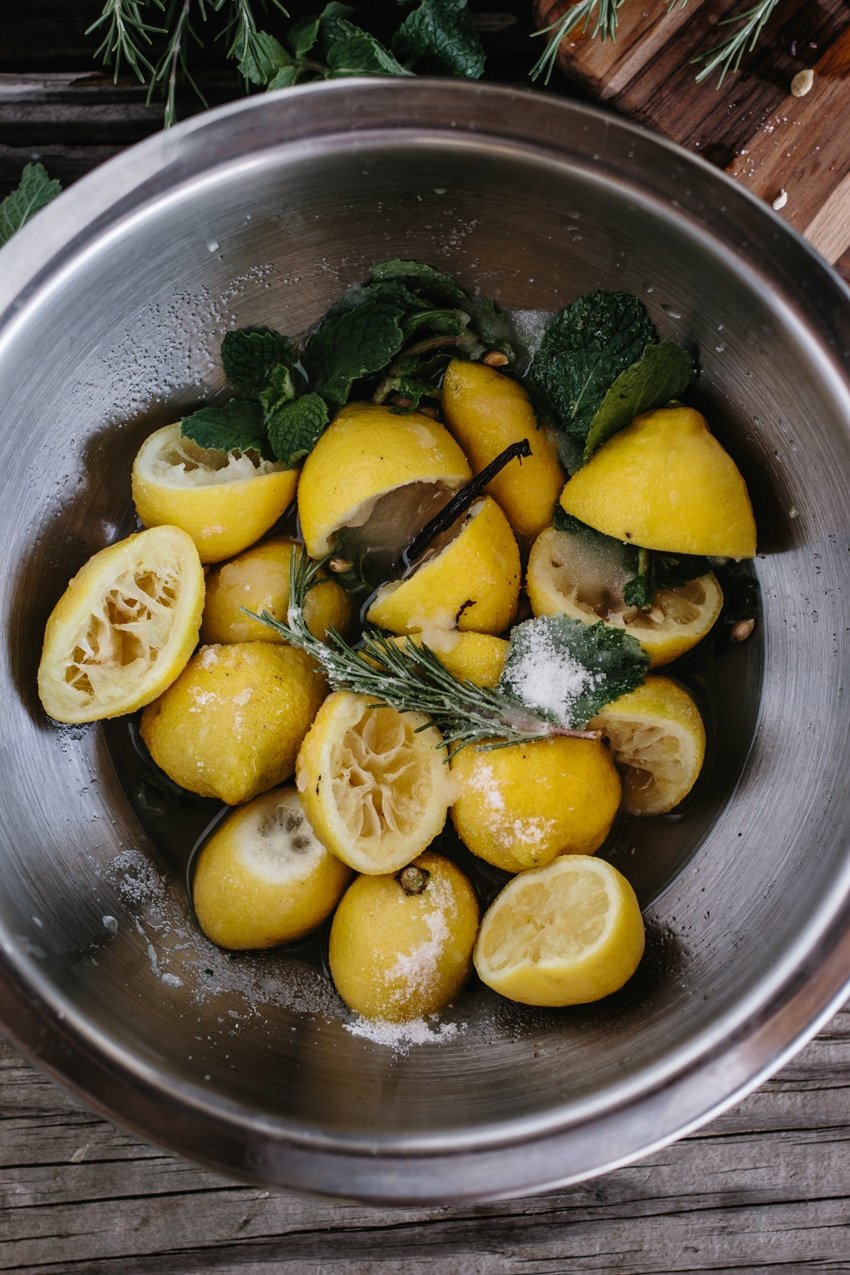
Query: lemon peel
{"points": [[399, 952]]}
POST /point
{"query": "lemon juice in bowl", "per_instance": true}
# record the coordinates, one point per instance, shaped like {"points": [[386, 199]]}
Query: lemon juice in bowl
{"points": [[464, 584]]}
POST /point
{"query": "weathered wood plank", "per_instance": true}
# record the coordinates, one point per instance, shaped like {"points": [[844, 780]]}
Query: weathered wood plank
{"points": [[764, 1187]]}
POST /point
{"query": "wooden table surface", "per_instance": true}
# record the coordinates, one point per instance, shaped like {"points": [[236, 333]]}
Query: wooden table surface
{"points": [[764, 1187]]}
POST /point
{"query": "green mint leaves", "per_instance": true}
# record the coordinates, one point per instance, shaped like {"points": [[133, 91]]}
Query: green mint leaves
{"points": [[437, 35], [599, 365], [35, 189], [234, 427], [388, 339], [295, 427], [662, 372], [352, 344], [567, 670], [250, 355], [584, 349]]}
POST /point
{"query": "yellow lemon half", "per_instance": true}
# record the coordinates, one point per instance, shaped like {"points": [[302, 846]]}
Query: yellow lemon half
{"points": [[470, 582], [566, 934], [224, 500], [567, 577], [373, 781], [401, 945], [522, 805], [657, 735], [664, 482], [124, 628], [486, 412], [231, 725], [377, 472], [475, 657], [263, 877], [258, 580]]}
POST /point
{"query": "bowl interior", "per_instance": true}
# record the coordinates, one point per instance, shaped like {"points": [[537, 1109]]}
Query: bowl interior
{"points": [[264, 214]]}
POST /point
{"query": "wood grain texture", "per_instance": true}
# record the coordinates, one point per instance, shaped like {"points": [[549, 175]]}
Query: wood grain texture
{"points": [[765, 1187], [752, 126]]}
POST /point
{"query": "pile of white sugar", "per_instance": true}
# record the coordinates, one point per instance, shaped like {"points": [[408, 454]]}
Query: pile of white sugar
{"points": [[547, 677]]}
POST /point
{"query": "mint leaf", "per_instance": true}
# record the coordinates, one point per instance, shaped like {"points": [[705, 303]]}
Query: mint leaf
{"points": [[440, 34], [248, 356], [295, 427], [662, 372], [349, 50], [262, 57], [304, 35], [448, 322], [440, 288], [640, 590], [492, 324], [235, 427], [352, 344], [279, 390], [671, 570], [34, 190], [285, 78], [568, 670], [584, 349]]}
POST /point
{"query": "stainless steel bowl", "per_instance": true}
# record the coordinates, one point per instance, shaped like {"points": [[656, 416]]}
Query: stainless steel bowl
{"points": [[112, 305]]}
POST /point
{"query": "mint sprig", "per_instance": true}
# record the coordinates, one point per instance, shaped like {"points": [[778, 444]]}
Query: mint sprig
{"points": [[662, 372], [35, 189], [584, 349]]}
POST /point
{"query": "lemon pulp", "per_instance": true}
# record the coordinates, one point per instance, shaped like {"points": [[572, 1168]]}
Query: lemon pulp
{"points": [[373, 782], [124, 628], [565, 934]]}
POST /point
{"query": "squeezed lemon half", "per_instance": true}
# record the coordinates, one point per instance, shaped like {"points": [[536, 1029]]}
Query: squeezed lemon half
{"points": [[378, 475], [224, 500], [470, 582], [664, 482], [124, 628], [657, 735], [520, 806], [486, 412], [231, 725], [566, 934], [568, 577], [373, 782]]}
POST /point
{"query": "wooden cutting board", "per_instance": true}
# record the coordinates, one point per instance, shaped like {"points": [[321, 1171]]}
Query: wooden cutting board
{"points": [[752, 126]]}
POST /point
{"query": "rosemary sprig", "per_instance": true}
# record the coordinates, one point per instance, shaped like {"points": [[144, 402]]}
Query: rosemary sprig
{"points": [[411, 678], [603, 14], [126, 35], [727, 55]]}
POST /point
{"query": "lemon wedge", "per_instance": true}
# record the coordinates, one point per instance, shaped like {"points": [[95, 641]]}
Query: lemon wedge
{"points": [[124, 628], [486, 412], [657, 735], [664, 482], [373, 782], [377, 476], [469, 580], [224, 500], [263, 877], [567, 576], [566, 934], [401, 944]]}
